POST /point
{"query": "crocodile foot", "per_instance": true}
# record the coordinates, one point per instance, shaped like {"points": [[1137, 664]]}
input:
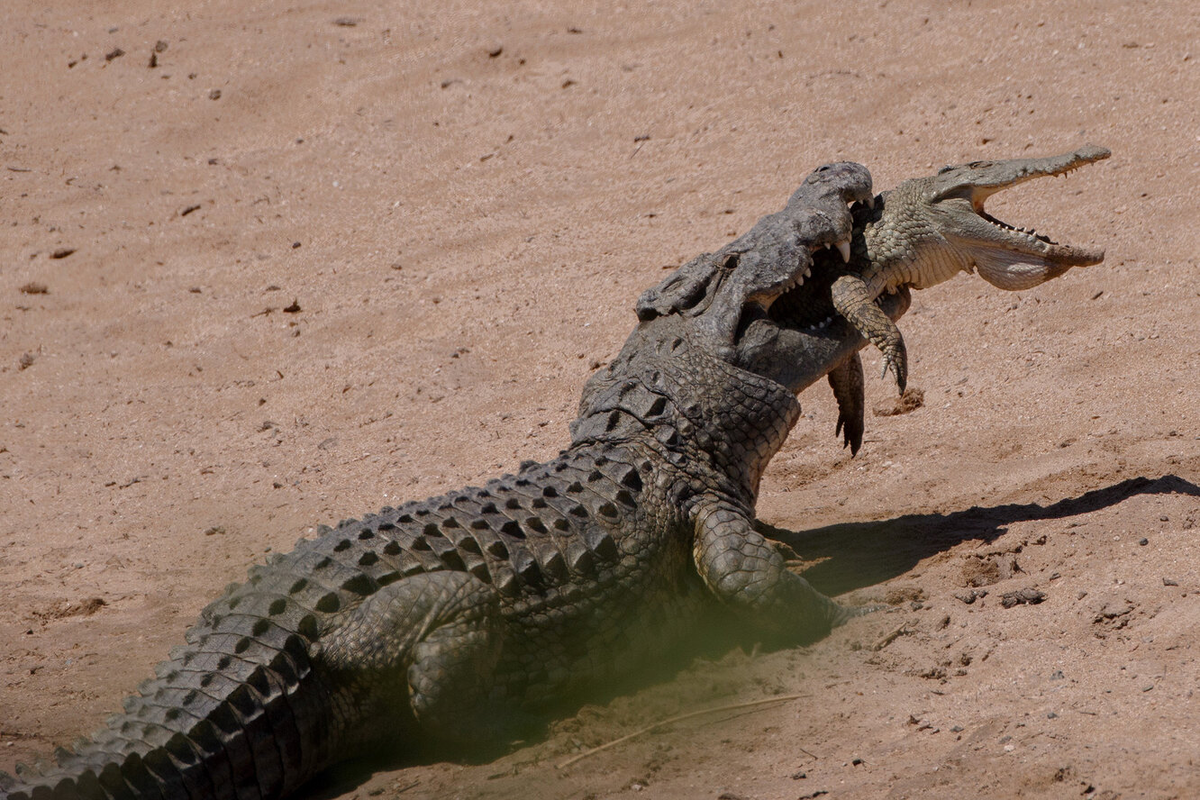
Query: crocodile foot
{"points": [[853, 300]]}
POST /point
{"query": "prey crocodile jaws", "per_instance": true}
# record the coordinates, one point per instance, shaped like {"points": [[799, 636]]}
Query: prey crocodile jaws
{"points": [[926, 230]]}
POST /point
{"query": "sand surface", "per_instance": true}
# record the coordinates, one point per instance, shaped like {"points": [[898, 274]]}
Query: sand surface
{"points": [[264, 266]]}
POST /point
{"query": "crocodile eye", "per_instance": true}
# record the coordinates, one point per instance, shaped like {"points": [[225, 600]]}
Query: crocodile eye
{"points": [[945, 169]]}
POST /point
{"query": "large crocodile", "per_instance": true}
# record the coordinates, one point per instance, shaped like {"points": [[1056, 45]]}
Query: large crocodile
{"points": [[928, 229], [464, 616]]}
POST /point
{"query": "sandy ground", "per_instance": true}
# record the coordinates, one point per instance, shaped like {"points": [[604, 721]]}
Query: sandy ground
{"points": [[263, 266]]}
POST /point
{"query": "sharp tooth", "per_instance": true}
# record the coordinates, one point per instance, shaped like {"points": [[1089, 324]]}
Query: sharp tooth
{"points": [[828, 320], [808, 272], [844, 249], [827, 245], [871, 202]]}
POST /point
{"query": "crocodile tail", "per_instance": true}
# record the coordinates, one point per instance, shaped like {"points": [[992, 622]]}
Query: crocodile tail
{"points": [[239, 713]]}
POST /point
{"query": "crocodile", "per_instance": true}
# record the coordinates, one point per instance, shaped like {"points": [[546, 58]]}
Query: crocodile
{"points": [[468, 617], [928, 229]]}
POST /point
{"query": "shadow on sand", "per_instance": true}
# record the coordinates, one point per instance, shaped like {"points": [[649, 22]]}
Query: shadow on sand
{"points": [[858, 554]]}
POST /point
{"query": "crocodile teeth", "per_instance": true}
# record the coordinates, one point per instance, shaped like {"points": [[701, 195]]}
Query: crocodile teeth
{"points": [[871, 202], [844, 249], [808, 272]]}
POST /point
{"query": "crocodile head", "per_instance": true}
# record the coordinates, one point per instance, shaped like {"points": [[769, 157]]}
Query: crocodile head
{"points": [[725, 342], [927, 229], [761, 303]]}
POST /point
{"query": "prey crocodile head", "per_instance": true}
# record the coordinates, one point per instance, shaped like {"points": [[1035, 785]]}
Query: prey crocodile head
{"points": [[927, 229]]}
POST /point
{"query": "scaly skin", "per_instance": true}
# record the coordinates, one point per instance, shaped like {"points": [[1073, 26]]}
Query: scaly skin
{"points": [[926, 230], [464, 616]]}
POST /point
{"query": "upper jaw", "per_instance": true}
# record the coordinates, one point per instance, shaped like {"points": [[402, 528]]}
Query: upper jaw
{"points": [[981, 179]]}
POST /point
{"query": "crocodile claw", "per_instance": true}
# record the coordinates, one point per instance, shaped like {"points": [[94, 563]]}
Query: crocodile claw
{"points": [[897, 362]]}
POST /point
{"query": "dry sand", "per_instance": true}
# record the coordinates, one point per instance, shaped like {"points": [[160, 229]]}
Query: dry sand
{"points": [[299, 262]]}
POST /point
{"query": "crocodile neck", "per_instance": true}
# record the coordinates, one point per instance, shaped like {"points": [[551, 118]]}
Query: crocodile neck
{"points": [[895, 246], [714, 421]]}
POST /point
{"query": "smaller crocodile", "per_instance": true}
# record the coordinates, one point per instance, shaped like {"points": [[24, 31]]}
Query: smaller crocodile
{"points": [[927, 230]]}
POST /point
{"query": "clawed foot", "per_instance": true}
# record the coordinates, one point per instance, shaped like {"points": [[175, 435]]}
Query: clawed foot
{"points": [[897, 363]]}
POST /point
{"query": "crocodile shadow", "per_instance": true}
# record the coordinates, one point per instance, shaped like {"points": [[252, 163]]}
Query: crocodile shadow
{"points": [[858, 554]]}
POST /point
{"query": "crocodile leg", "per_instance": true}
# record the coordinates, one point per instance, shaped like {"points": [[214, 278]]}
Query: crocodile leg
{"points": [[854, 301], [748, 574], [438, 633], [847, 384]]}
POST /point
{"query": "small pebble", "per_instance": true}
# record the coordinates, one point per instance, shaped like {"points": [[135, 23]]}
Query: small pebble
{"points": [[1143, 542]]}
